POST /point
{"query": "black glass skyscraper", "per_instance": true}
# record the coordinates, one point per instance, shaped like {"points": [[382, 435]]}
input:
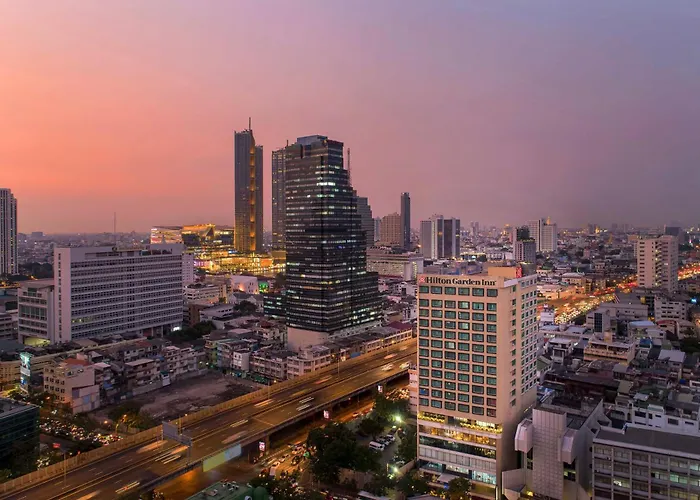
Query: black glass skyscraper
{"points": [[278, 198], [406, 221], [328, 288]]}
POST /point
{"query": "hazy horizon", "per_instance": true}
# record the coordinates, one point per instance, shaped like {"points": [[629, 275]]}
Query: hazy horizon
{"points": [[494, 112]]}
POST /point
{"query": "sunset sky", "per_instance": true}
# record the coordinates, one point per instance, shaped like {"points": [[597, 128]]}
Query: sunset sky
{"points": [[495, 111]]}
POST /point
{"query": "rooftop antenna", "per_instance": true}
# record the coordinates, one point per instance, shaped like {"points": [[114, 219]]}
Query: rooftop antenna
{"points": [[349, 171], [115, 228], [250, 125]]}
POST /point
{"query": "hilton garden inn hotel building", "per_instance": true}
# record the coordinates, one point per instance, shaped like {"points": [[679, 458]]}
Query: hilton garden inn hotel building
{"points": [[476, 373]]}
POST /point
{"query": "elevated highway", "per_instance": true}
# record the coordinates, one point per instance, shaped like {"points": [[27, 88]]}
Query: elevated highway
{"points": [[152, 461]]}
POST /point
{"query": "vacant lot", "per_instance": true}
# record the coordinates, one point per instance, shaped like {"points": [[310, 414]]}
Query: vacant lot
{"points": [[194, 394]]}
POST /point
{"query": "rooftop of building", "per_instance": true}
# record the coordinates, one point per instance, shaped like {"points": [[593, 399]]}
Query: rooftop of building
{"points": [[139, 362], [40, 284], [76, 362], [576, 409], [10, 407], [274, 354], [655, 440]]}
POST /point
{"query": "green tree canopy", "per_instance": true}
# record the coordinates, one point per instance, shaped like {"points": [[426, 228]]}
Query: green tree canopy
{"points": [[412, 484], [459, 488], [408, 447]]}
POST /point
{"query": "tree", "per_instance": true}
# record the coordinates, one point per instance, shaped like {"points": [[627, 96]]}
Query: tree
{"points": [[280, 488], [690, 345], [379, 484], [370, 426], [334, 447], [412, 484], [459, 488], [408, 447], [246, 308]]}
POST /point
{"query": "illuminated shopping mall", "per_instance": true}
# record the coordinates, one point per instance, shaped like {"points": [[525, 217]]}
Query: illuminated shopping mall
{"points": [[214, 252]]}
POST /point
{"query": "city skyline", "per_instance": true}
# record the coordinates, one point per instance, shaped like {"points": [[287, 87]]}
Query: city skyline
{"points": [[565, 102]]}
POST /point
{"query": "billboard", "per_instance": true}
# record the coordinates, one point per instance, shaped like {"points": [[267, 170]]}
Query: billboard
{"points": [[222, 457]]}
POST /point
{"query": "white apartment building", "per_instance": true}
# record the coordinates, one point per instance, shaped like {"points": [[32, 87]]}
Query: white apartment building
{"points": [[545, 234], [104, 290], [670, 308], [657, 262], [35, 308], [72, 381], [477, 338], [8, 232]]}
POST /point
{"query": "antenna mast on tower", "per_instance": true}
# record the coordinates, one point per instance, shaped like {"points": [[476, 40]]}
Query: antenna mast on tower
{"points": [[349, 170]]}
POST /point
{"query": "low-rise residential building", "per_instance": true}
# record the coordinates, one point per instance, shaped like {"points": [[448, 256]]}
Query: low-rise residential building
{"points": [[141, 372], [199, 292], [179, 361], [72, 381], [308, 360], [621, 352], [270, 364]]}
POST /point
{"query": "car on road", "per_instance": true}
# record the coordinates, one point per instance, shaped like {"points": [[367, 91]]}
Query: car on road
{"points": [[276, 464], [355, 415]]}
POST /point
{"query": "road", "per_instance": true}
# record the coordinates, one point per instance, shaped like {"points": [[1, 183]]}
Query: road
{"points": [[241, 470], [574, 308], [143, 464]]}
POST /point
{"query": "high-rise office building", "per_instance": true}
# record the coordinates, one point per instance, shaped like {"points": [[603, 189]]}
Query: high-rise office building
{"points": [[545, 234], [477, 353], [440, 238], [657, 262], [367, 222], [406, 221], [524, 247], [475, 229], [377, 230], [391, 232], [278, 199], [678, 232], [105, 290], [8, 232], [248, 176], [329, 291]]}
